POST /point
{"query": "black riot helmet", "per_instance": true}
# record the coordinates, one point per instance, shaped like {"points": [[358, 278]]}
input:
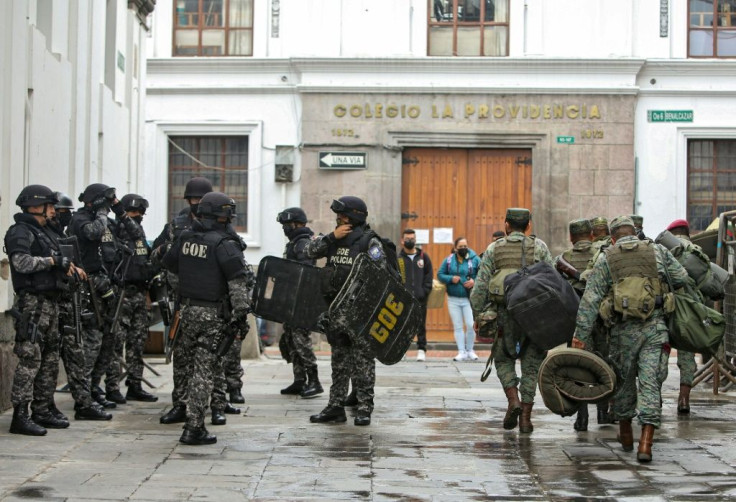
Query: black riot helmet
{"points": [[197, 187], [97, 194], [352, 206], [292, 215], [36, 195], [134, 202], [64, 201], [216, 205]]}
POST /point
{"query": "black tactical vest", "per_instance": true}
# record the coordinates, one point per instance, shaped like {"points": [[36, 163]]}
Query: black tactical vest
{"points": [[138, 270], [342, 253], [200, 276], [89, 250], [295, 247], [25, 233], [181, 222]]}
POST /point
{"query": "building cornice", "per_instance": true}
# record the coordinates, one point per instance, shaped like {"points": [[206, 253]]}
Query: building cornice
{"points": [[690, 67]]}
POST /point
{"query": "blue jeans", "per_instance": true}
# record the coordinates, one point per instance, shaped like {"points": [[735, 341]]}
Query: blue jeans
{"points": [[461, 313]]}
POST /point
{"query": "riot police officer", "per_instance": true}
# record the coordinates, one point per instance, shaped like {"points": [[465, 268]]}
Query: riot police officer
{"points": [[99, 252], [38, 270], [351, 236], [214, 288], [297, 342], [71, 350], [195, 189], [132, 326]]}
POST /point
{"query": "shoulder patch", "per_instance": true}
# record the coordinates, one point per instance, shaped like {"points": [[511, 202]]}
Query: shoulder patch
{"points": [[375, 252]]}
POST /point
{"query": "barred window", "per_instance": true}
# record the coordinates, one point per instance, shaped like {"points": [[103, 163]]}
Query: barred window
{"points": [[711, 180], [221, 159], [468, 28], [213, 28], [712, 28]]}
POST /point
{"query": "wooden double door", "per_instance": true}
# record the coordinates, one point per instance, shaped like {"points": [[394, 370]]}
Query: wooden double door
{"points": [[465, 193]]}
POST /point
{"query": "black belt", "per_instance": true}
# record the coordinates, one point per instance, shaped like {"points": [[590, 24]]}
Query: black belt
{"points": [[49, 295], [193, 302], [135, 288]]}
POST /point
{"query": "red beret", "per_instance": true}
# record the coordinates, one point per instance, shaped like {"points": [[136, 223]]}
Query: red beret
{"points": [[678, 223]]}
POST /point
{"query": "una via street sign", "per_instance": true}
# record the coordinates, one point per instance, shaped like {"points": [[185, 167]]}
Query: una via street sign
{"points": [[342, 160], [670, 115]]}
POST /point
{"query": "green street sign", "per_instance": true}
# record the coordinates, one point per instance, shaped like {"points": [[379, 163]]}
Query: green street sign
{"points": [[567, 140], [670, 115]]}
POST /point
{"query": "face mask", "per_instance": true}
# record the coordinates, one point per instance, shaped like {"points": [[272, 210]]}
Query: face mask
{"points": [[193, 208], [138, 219], [462, 252], [64, 218], [410, 243], [288, 230]]}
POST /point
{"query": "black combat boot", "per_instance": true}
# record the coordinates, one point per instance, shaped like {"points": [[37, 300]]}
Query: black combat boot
{"points": [[137, 393], [236, 396], [313, 387], [22, 424], [295, 388], [176, 415], [100, 398], [581, 420], [197, 436], [46, 419], [604, 417], [92, 412], [351, 400], [330, 414], [218, 418], [115, 396], [56, 412], [362, 418], [231, 410]]}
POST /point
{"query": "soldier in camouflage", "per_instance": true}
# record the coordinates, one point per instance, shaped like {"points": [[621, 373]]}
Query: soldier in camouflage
{"points": [[132, 327], [601, 232], [350, 359], [38, 272], [684, 253], [195, 189], [579, 257], [500, 259], [297, 342], [214, 290], [71, 350], [628, 287]]}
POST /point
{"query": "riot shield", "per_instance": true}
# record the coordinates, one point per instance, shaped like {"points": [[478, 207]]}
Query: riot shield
{"points": [[287, 291], [377, 311]]}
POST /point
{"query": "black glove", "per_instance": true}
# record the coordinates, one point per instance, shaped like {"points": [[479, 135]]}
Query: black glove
{"points": [[62, 262], [118, 209]]}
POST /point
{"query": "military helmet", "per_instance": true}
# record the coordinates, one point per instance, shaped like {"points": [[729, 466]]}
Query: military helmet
{"points": [[134, 202], [36, 195], [216, 205], [197, 187], [64, 201], [352, 206], [292, 215], [96, 191]]}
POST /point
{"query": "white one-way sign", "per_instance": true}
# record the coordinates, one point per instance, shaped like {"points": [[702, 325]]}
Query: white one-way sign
{"points": [[342, 160]]}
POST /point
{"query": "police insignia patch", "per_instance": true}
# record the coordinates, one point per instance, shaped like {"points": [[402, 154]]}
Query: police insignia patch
{"points": [[375, 252]]}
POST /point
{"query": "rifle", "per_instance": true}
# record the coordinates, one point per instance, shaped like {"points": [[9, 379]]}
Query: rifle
{"points": [[565, 268], [173, 334], [121, 297], [489, 363], [67, 251], [74, 242]]}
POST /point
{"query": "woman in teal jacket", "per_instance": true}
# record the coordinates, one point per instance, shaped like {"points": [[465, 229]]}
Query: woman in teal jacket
{"points": [[458, 272]]}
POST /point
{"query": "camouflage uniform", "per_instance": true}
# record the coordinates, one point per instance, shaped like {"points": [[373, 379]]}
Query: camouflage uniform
{"points": [[350, 359], [639, 348], [72, 354], [232, 369], [131, 333], [510, 344], [38, 363]]}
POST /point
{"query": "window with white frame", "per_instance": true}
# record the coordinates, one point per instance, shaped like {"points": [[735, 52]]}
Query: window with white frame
{"points": [[468, 28], [711, 180], [221, 159], [213, 27]]}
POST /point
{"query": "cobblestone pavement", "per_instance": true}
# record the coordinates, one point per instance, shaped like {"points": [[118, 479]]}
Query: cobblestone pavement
{"points": [[436, 435]]}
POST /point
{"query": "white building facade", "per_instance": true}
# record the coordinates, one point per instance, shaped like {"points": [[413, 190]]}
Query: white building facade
{"points": [[72, 96]]}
